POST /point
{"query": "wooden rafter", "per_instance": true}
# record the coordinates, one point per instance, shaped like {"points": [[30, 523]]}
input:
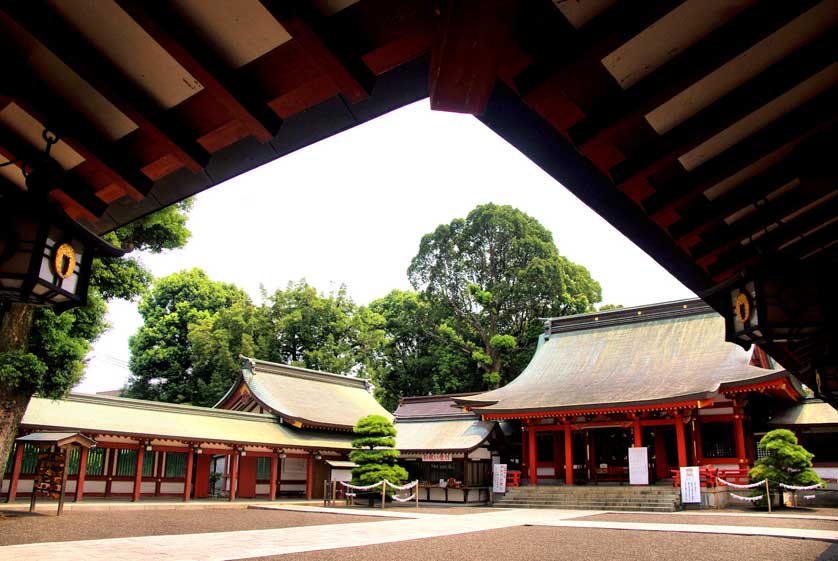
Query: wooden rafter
{"points": [[795, 126], [163, 25], [719, 47], [770, 84], [54, 113], [14, 148], [556, 45], [465, 54], [75, 51], [768, 244], [350, 74]]}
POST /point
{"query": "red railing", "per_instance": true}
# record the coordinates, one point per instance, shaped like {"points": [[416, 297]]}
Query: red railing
{"points": [[710, 476], [513, 478]]}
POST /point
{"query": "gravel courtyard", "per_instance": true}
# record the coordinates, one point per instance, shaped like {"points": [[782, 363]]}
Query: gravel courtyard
{"points": [[18, 527], [576, 544]]}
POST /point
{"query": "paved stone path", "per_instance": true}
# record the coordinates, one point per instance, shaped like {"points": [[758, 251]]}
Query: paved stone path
{"points": [[257, 543]]}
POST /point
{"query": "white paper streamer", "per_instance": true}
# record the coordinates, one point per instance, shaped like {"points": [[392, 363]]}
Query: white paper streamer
{"points": [[749, 499], [401, 500], [361, 487], [808, 496], [738, 486], [405, 487], [799, 487]]}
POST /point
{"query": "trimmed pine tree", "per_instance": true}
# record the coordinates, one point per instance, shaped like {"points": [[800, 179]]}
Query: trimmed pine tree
{"points": [[375, 452], [785, 461]]}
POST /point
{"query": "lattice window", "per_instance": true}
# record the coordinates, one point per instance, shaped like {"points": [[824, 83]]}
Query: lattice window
{"points": [[717, 440], [95, 462], [175, 465], [263, 469], [126, 464]]}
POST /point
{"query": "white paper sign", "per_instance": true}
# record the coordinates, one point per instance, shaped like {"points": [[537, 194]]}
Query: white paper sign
{"points": [[437, 457], [639, 466], [690, 485], [499, 478]]}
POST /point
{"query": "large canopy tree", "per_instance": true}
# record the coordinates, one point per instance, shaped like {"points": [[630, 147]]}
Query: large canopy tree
{"points": [[161, 360], [43, 353], [497, 272]]}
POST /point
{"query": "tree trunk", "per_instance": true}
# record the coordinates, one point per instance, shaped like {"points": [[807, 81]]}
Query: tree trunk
{"points": [[15, 325]]}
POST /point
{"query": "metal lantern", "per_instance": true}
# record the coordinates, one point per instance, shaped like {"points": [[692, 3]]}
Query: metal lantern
{"points": [[45, 256], [776, 306]]}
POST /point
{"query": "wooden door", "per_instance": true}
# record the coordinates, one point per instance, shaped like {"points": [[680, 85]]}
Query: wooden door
{"points": [[247, 477], [202, 471]]}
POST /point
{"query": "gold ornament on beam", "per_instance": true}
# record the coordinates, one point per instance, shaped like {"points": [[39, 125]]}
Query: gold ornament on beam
{"points": [[64, 261]]}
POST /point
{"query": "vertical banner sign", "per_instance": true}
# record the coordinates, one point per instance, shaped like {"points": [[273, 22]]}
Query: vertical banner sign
{"points": [[639, 466], [499, 478], [690, 485]]}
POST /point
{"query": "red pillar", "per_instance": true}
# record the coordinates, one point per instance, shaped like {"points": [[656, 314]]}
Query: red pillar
{"points": [[638, 433], [568, 456], [80, 476], [533, 459], [15, 473], [309, 476], [234, 473], [739, 433], [682, 441], [187, 484], [272, 491], [138, 476]]}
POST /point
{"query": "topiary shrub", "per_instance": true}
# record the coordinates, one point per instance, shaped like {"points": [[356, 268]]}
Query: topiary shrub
{"points": [[374, 453], [785, 461]]}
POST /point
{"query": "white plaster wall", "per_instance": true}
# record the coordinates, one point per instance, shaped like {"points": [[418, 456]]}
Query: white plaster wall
{"points": [[292, 487], [122, 487], [71, 486], [94, 486], [546, 471], [263, 488], [294, 468], [146, 487], [171, 488]]}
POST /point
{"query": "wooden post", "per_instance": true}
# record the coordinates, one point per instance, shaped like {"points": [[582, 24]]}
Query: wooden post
{"points": [[80, 477], [138, 476], [383, 494], [12, 495], [682, 441], [587, 434], [187, 484], [533, 460], [110, 460], [272, 487], [739, 433], [768, 495], [416, 493], [63, 482], [638, 433], [568, 456], [309, 476], [234, 473]]}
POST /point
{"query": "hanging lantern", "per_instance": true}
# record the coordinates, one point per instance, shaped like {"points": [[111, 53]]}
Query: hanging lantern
{"points": [[45, 256], [776, 306]]}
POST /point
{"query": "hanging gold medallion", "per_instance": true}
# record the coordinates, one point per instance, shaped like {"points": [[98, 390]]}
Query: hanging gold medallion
{"points": [[65, 260], [743, 307]]}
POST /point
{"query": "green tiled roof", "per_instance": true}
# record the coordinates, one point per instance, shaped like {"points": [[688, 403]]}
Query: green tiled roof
{"points": [[132, 417]]}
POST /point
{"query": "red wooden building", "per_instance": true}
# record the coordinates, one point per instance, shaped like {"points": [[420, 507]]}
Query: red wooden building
{"points": [[657, 376]]}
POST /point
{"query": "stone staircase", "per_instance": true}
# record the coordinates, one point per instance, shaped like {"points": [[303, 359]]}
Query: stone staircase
{"points": [[647, 499]]}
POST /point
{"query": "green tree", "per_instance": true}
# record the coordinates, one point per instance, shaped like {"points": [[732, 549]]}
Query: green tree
{"points": [[43, 353], [785, 461], [323, 332], [375, 453], [412, 359], [161, 360], [497, 272]]}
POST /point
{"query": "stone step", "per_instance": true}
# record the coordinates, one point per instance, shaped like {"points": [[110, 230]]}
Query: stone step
{"points": [[601, 503], [637, 508]]}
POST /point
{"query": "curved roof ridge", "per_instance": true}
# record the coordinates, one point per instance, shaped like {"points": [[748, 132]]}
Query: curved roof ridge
{"points": [[266, 367]]}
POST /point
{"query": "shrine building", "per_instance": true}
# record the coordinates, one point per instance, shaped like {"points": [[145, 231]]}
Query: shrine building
{"points": [[657, 376]]}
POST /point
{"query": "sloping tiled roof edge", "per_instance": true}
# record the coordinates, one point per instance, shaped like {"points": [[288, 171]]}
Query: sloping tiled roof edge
{"points": [[263, 366], [623, 316], [128, 403]]}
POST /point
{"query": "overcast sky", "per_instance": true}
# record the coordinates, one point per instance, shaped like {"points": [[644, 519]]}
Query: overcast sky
{"points": [[352, 209]]}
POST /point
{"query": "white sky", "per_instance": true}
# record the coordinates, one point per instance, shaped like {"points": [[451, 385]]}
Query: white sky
{"points": [[352, 209]]}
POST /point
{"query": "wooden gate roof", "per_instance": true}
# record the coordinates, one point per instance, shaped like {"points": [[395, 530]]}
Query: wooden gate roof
{"points": [[704, 131]]}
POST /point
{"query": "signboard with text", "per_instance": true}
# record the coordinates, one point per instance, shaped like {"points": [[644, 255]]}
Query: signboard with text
{"points": [[690, 485], [437, 457], [639, 466], [499, 478]]}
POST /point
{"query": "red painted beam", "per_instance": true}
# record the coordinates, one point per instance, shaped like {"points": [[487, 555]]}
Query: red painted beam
{"points": [[187, 484], [274, 469], [12, 494], [533, 459], [234, 474], [466, 51], [309, 476], [138, 476], [568, 455]]}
